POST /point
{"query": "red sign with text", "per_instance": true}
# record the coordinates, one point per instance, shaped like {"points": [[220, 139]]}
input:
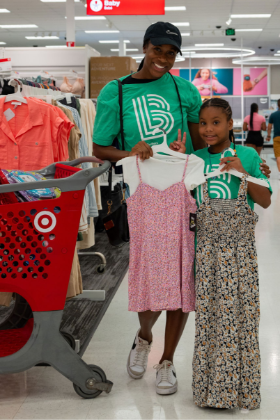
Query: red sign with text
{"points": [[70, 44], [125, 7]]}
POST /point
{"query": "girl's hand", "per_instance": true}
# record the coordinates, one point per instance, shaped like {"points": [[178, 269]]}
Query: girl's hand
{"points": [[142, 149], [214, 88], [200, 87], [265, 168], [232, 163], [180, 144]]}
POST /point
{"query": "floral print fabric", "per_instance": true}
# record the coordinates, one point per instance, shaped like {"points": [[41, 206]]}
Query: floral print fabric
{"points": [[161, 275], [226, 362]]}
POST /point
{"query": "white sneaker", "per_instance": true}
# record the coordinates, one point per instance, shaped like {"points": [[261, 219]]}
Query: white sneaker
{"points": [[166, 380], [138, 357]]}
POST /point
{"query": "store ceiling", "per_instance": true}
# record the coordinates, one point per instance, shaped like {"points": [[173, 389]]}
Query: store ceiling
{"points": [[202, 15]]}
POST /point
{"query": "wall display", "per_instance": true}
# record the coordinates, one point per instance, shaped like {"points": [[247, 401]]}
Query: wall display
{"points": [[254, 81], [227, 81], [125, 7]]}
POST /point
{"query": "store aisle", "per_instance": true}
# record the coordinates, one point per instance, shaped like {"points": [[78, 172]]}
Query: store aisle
{"points": [[42, 393]]}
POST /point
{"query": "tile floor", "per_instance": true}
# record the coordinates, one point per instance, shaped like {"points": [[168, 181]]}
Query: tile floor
{"points": [[42, 393]]}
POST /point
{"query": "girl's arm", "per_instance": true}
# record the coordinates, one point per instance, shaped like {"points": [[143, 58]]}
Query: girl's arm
{"points": [[245, 126], [219, 87], [263, 127], [259, 194]]}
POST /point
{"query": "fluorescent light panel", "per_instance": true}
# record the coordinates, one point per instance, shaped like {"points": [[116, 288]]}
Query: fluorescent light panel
{"points": [[89, 18], [186, 34], [127, 49], [181, 23], [102, 32], [209, 45], [42, 37], [112, 42], [2, 43], [250, 16], [174, 8], [4, 11], [248, 30], [56, 46], [17, 26]]}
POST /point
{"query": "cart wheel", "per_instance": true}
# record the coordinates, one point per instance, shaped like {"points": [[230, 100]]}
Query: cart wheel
{"points": [[101, 268], [98, 374], [70, 339]]}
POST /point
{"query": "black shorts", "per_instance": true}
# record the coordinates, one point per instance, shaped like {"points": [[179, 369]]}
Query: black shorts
{"points": [[255, 138]]}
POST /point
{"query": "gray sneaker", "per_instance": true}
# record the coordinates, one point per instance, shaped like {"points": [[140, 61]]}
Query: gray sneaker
{"points": [[138, 357]]}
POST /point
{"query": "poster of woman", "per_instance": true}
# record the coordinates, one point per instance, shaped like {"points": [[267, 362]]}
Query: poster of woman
{"points": [[205, 79]]}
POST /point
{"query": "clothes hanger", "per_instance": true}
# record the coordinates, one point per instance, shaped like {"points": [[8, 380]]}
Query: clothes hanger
{"points": [[15, 96], [164, 148]]}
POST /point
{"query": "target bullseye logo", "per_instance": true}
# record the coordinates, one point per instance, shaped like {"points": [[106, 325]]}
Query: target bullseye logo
{"points": [[45, 221]]}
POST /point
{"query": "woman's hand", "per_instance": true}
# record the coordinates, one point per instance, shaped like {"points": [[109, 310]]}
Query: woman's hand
{"points": [[265, 168], [180, 144], [214, 88], [142, 149], [232, 163], [200, 87]]}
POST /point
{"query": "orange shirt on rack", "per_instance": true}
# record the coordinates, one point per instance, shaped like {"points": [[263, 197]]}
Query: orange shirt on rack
{"points": [[30, 134]]}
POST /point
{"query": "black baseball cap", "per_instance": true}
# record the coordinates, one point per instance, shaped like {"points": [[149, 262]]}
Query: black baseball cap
{"points": [[164, 33]]}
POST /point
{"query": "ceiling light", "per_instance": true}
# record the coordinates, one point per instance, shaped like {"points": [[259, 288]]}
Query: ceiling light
{"points": [[173, 8], [248, 30], [181, 24], [42, 37], [4, 11], [112, 42], [17, 26], [186, 34], [219, 52], [56, 46], [263, 60], [278, 55], [102, 32], [179, 58], [250, 16], [2, 43], [138, 57], [228, 22], [127, 49], [89, 18], [209, 45]]}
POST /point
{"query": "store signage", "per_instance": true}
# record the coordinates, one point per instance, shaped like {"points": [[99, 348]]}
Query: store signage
{"points": [[70, 44], [5, 64], [125, 7], [230, 32]]}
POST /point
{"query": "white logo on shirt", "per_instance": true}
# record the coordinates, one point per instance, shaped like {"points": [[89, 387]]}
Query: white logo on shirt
{"points": [[218, 188], [152, 111]]}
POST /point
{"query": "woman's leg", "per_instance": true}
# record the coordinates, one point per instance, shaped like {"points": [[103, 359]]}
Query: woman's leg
{"points": [[251, 145], [259, 150], [147, 320], [175, 324]]}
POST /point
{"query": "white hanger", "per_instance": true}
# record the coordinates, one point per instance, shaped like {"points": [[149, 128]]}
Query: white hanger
{"points": [[163, 147], [15, 96]]}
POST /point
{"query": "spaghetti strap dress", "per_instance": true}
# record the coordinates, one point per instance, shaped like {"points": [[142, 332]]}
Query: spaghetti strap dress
{"points": [[161, 265], [226, 362]]}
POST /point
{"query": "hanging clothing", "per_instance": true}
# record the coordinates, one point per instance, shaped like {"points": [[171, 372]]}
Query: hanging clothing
{"points": [[31, 129], [226, 361], [92, 210], [78, 88], [161, 247]]}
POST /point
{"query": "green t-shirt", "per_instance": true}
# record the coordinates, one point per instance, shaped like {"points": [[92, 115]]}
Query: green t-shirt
{"points": [[226, 185], [145, 107]]}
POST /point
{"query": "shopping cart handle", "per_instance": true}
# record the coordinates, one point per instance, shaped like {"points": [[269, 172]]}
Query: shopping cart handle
{"points": [[49, 171], [76, 182]]}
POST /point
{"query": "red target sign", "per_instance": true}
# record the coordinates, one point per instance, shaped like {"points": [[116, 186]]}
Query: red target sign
{"points": [[45, 221]]}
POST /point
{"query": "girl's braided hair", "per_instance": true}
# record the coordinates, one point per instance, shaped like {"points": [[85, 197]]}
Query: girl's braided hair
{"points": [[226, 108]]}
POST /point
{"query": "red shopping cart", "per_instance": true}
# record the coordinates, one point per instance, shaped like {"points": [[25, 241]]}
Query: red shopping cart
{"points": [[37, 243]]}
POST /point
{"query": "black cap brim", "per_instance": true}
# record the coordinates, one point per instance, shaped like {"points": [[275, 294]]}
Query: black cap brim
{"points": [[166, 41]]}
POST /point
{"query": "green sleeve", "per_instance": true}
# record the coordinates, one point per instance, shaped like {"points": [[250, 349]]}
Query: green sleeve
{"points": [[107, 120], [255, 169], [194, 103]]}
